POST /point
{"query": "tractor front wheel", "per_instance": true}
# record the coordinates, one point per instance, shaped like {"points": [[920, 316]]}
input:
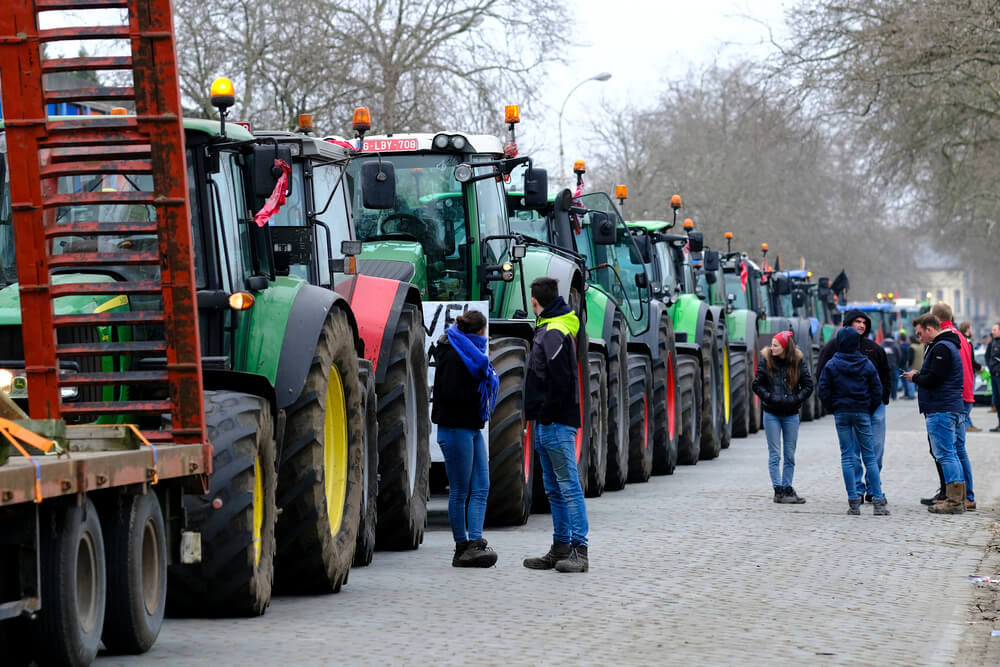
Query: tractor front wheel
{"points": [[640, 427], [511, 446], [598, 459]]}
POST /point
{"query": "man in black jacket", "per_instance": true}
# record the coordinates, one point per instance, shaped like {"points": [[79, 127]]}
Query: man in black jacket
{"points": [[993, 363], [552, 402], [863, 325]]}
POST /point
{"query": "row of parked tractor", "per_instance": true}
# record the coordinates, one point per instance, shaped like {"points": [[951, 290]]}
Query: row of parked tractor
{"points": [[325, 269]]}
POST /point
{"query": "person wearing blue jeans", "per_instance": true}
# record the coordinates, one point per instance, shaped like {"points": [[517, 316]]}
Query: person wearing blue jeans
{"points": [[877, 419], [465, 390], [783, 383], [940, 383], [551, 400], [850, 388]]}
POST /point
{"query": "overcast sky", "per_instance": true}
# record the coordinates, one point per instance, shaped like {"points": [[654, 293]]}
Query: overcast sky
{"points": [[641, 43]]}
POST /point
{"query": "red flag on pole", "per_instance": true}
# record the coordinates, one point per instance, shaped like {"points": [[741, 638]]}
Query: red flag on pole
{"points": [[277, 198]]}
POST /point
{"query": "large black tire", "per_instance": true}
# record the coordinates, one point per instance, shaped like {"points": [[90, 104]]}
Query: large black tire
{"points": [[404, 457], [320, 483], [135, 542], [598, 468], [724, 384], [689, 388], [512, 457], [640, 418], [740, 400], [236, 571], [711, 408], [73, 584], [756, 409], [666, 404], [365, 549], [617, 470]]}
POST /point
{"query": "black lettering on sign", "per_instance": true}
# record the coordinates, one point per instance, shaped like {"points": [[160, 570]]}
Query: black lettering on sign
{"points": [[437, 313]]}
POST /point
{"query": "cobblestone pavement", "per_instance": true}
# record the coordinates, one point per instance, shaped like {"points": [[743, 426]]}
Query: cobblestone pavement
{"points": [[697, 568]]}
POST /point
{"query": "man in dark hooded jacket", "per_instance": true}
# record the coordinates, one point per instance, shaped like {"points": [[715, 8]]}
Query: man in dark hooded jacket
{"points": [[861, 323], [849, 388]]}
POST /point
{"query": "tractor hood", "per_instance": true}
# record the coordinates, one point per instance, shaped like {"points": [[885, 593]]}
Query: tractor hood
{"points": [[10, 299], [404, 261]]}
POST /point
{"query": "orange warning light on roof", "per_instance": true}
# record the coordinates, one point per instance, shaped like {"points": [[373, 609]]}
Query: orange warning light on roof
{"points": [[675, 201], [763, 247], [729, 235], [512, 113], [688, 224], [222, 93], [621, 192], [579, 167], [362, 119], [305, 121]]}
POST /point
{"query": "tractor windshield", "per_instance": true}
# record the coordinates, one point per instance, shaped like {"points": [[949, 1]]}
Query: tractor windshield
{"points": [[734, 286], [8, 266], [430, 210]]}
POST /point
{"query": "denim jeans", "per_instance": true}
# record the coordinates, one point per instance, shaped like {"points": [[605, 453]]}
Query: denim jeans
{"points": [[995, 392], [780, 431], [942, 429], [909, 389], [878, 442], [854, 429], [468, 466], [556, 445], [962, 454]]}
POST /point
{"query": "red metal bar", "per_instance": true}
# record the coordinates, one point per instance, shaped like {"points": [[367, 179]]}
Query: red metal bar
{"points": [[146, 287], [85, 64], [60, 169], [109, 378], [99, 408], [90, 228], [104, 93], [111, 349], [114, 319], [44, 5], [103, 258]]}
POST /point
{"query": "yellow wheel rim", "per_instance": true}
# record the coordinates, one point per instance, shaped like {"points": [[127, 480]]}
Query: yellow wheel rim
{"points": [[725, 382], [258, 511], [335, 450]]}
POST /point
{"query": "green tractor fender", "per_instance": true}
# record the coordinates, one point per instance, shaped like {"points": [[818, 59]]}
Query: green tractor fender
{"points": [[689, 314], [600, 316], [286, 322], [742, 326]]}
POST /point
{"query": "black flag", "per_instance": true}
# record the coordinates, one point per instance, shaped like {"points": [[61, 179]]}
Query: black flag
{"points": [[841, 285]]}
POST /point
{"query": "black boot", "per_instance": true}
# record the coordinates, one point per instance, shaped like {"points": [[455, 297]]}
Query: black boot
{"points": [[779, 492], [460, 548], [791, 498], [933, 499], [478, 554], [578, 560], [557, 552]]}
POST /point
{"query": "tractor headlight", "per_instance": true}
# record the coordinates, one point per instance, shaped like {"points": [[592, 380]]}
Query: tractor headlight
{"points": [[440, 142]]}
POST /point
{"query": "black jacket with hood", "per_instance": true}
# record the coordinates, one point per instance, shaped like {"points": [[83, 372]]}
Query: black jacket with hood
{"points": [[456, 391], [868, 347], [941, 379], [993, 356], [550, 388], [848, 381], [778, 398]]}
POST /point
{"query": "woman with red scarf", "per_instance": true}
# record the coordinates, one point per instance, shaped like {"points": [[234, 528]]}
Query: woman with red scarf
{"points": [[783, 384]]}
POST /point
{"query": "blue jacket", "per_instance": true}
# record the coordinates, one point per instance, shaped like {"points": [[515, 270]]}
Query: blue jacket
{"points": [[849, 381], [939, 380]]}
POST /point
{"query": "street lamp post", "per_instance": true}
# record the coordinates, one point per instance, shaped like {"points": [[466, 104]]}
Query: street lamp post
{"points": [[603, 76]]}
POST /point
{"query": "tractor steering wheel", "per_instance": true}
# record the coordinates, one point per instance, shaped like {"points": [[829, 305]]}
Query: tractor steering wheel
{"points": [[414, 225]]}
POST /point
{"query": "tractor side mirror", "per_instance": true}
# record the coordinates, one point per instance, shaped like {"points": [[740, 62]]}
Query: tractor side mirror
{"points": [[641, 280], [603, 228], [378, 185], [645, 245], [536, 188], [798, 298], [712, 260], [265, 172], [696, 242], [518, 251], [782, 285], [710, 277]]}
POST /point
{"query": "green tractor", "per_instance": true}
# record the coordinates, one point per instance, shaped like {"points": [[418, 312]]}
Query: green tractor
{"points": [[314, 240], [700, 336], [633, 364], [797, 304], [284, 401], [447, 232]]}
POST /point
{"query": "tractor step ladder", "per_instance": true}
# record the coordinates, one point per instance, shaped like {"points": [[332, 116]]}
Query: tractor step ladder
{"points": [[45, 152]]}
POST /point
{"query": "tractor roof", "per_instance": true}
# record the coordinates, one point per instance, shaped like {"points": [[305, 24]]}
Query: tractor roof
{"points": [[422, 142], [233, 131], [307, 146], [651, 225]]}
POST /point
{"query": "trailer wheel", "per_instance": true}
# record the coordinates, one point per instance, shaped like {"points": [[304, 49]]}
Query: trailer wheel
{"points": [[404, 457], [640, 418], [689, 384], [73, 584], [666, 402], [236, 571], [136, 546], [740, 403], [598, 468], [711, 442], [365, 549], [512, 452], [756, 417], [617, 472]]}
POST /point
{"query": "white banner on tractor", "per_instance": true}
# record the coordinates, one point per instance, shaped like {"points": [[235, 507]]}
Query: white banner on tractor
{"points": [[438, 316]]}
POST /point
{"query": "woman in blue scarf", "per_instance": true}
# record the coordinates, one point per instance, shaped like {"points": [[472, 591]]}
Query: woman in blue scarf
{"points": [[465, 393]]}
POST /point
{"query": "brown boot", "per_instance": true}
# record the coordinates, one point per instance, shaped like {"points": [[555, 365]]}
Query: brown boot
{"points": [[954, 501], [970, 505], [557, 552]]}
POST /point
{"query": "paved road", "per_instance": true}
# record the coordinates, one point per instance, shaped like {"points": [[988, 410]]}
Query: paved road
{"points": [[697, 568]]}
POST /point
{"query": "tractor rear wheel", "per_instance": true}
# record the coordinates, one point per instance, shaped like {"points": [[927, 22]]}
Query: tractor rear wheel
{"points": [[135, 542], [404, 457], [236, 571], [617, 466], [756, 417], [511, 447], [666, 408], [689, 388], [320, 474], [598, 458], [740, 400], [369, 478], [640, 428], [711, 409]]}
